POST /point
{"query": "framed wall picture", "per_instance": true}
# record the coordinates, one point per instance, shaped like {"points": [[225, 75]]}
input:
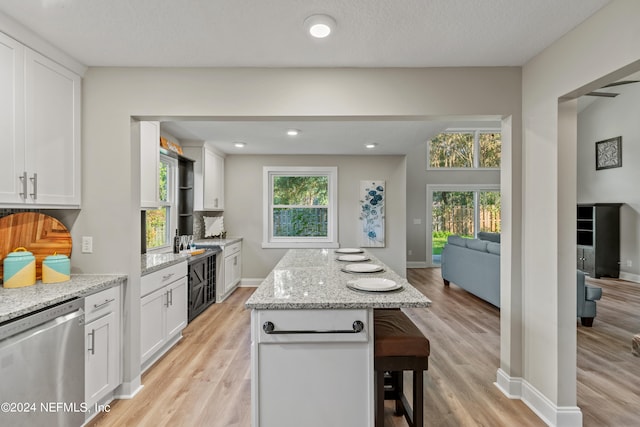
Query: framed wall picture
{"points": [[609, 153]]}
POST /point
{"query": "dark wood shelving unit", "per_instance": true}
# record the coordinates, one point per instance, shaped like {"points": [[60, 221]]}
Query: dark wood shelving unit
{"points": [[598, 239], [185, 195]]}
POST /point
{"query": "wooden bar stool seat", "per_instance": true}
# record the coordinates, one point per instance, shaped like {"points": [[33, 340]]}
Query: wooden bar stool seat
{"points": [[399, 346]]}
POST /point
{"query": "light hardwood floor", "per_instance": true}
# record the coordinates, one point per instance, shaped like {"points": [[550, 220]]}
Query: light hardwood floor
{"points": [[205, 380]]}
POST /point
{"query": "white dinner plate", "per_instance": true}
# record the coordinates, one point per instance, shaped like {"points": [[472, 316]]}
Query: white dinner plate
{"points": [[353, 258], [349, 251], [374, 284], [362, 268]]}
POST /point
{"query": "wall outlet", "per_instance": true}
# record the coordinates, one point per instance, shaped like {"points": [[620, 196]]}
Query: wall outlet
{"points": [[417, 221], [87, 244], [629, 263], [410, 252]]}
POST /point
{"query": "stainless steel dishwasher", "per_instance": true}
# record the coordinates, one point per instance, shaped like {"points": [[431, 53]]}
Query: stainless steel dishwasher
{"points": [[42, 368]]}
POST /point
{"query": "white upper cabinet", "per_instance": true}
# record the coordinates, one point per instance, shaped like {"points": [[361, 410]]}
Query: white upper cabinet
{"points": [[149, 163], [213, 181], [11, 115], [208, 171], [40, 129]]}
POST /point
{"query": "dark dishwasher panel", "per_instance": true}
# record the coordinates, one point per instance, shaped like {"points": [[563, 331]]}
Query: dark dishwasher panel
{"points": [[202, 283]]}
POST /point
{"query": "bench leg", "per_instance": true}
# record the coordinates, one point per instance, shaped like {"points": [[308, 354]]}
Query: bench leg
{"points": [[418, 398], [446, 282], [399, 386], [379, 386]]}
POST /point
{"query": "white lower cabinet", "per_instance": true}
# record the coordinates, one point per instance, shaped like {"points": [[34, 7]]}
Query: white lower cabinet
{"points": [[230, 270], [163, 311], [102, 345], [316, 379]]}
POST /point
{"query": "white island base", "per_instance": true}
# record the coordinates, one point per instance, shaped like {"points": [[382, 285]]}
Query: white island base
{"points": [[312, 379]]}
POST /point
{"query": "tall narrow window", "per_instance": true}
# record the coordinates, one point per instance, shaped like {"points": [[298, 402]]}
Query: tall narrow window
{"points": [[160, 222], [300, 207]]}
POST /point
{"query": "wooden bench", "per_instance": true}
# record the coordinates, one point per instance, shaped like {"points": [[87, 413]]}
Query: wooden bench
{"points": [[399, 346]]}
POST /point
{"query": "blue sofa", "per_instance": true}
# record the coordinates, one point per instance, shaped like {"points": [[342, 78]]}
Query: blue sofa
{"points": [[474, 265]]}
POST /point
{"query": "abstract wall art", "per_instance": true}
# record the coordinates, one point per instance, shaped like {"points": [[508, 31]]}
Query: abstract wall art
{"points": [[372, 211]]}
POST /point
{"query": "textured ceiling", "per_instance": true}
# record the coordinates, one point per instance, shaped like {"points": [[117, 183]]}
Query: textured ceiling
{"points": [[270, 33], [257, 33]]}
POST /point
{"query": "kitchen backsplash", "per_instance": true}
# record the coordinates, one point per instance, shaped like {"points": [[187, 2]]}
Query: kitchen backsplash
{"points": [[198, 222]]}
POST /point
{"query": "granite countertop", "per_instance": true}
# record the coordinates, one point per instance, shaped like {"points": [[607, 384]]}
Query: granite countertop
{"points": [[312, 279], [154, 262], [201, 243], [16, 302]]}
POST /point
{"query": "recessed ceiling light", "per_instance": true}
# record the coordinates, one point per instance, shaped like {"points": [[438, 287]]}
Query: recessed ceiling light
{"points": [[240, 145], [293, 132], [371, 145], [319, 26]]}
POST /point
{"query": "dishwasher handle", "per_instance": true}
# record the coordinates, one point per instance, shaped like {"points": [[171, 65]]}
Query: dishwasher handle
{"points": [[269, 329]]}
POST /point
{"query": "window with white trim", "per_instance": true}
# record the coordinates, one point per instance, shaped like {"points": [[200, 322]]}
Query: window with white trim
{"points": [[465, 149], [300, 207], [160, 222]]}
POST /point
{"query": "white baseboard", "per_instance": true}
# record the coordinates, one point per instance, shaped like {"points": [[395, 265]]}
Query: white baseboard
{"points": [[511, 387], [547, 411], [250, 283], [416, 264], [129, 389], [630, 277]]}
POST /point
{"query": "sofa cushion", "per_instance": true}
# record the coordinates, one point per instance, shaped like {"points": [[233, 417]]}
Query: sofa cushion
{"points": [[592, 293], [457, 241], [477, 244], [491, 237], [493, 248]]}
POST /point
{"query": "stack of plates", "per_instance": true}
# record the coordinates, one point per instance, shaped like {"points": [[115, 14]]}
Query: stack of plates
{"points": [[373, 284], [353, 258], [349, 251], [362, 268]]}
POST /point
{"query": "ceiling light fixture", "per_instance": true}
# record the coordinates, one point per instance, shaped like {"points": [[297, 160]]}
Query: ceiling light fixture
{"points": [[371, 145], [320, 26], [293, 132], [240, 145]]}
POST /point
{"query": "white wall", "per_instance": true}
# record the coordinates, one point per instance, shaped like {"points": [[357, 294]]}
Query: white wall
{"points": [[603, 119], [606, 43], [110, 156], [243, 205]]}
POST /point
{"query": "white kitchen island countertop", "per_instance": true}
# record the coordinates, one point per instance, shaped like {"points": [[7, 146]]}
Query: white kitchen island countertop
{"points": [[313, 279]]}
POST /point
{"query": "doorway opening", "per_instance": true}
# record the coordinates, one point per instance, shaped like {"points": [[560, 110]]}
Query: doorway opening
{"points": [[463, 210]]}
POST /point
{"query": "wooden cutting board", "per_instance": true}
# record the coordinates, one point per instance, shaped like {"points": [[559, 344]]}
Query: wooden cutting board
{"points": [[38, 233]]}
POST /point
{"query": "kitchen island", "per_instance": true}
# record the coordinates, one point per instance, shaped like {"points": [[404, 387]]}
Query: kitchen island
{"points": [[312, 341]]}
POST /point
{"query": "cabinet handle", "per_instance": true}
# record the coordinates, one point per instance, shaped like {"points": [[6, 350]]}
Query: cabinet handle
{"points": [[167, 277], [23, 179], [93, 342], [170, 296], [107, 301], [269, 329], [34, 180], [166, 294], [235, 260]]}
